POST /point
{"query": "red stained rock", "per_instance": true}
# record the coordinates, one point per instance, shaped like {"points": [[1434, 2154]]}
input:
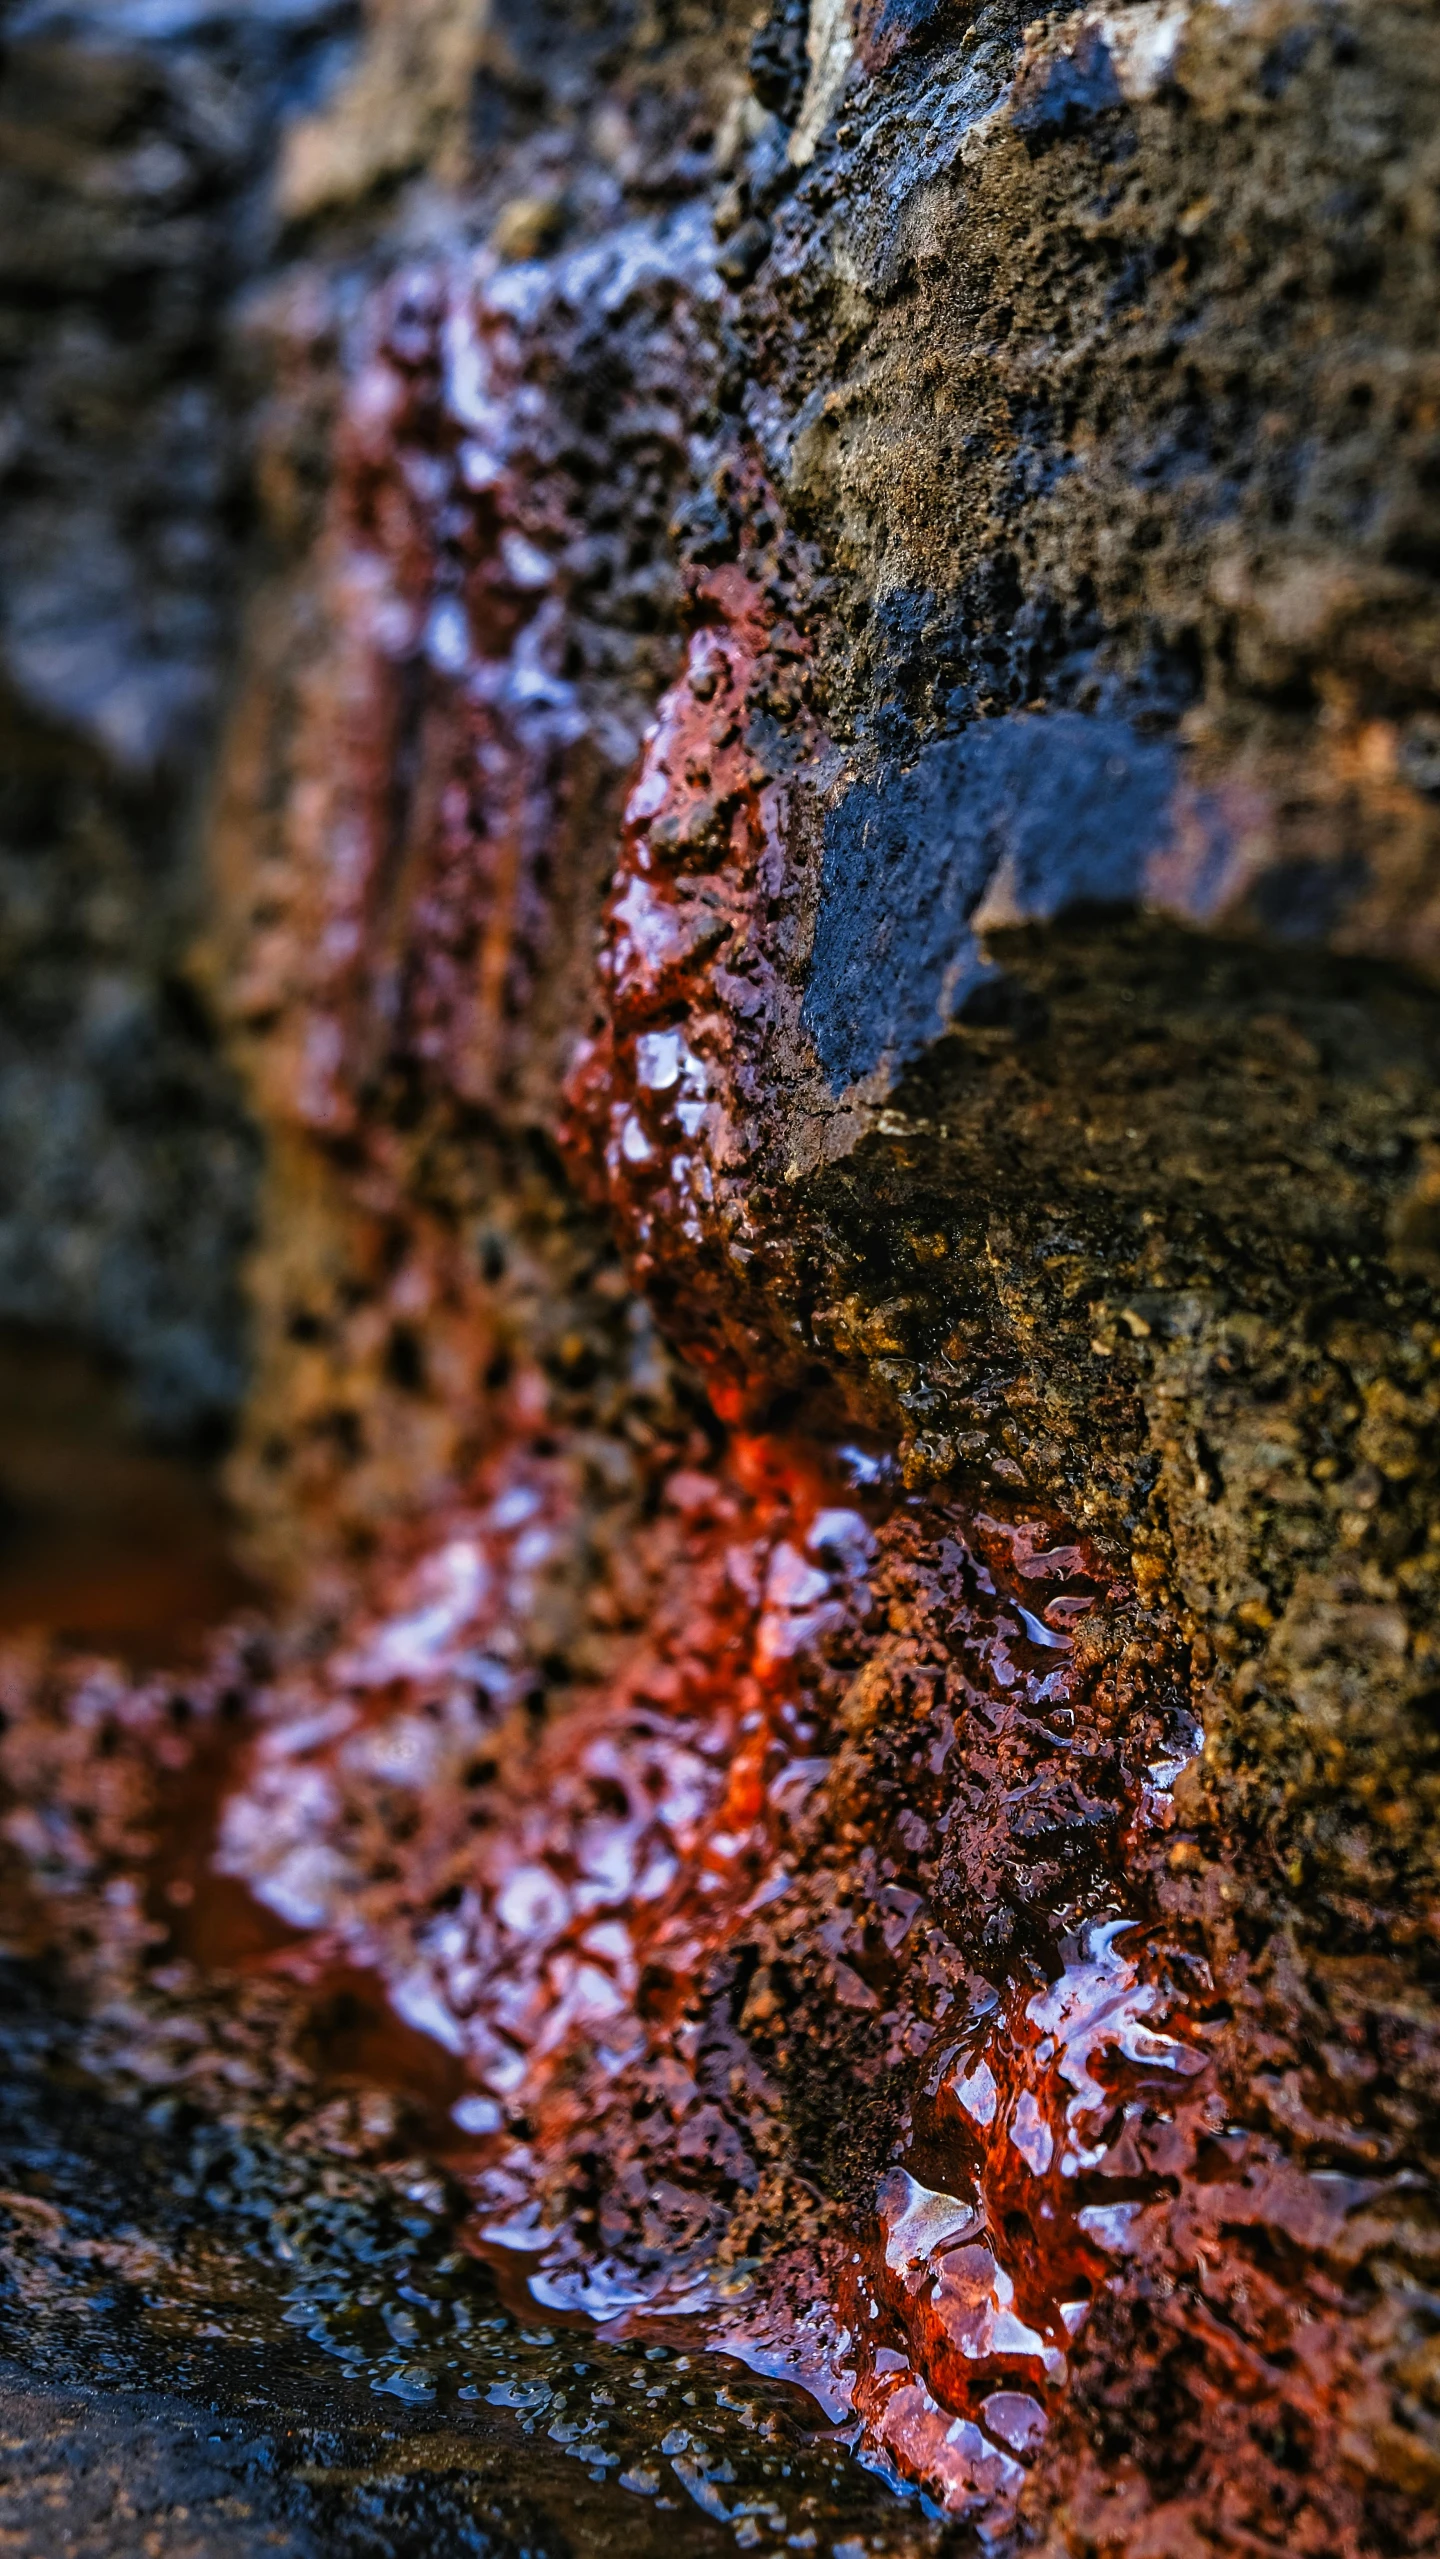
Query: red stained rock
{"points": [[864, 1681]]}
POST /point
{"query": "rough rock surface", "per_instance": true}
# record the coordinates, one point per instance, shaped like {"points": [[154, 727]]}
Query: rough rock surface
{"points": [[825, 875], [135, 141]]}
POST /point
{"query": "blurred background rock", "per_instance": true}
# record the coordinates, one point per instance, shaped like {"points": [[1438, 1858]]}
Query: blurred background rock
{"points": [[136, 144]]}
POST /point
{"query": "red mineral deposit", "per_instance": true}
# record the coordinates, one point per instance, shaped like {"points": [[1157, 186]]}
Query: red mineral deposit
{"points": [[820, 885]]}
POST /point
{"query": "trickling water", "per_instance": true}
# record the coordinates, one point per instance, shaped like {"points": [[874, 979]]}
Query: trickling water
{"points": [[552, 1918]]}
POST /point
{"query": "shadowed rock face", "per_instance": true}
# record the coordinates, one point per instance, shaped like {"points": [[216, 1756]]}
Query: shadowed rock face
{"points": [[135, 145], [824, 883], [1051, 814]]}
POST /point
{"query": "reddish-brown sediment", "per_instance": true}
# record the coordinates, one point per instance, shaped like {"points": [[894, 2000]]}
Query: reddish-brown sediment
{"points": [[818, 1987], [103, 1540], [635, 1928], [665, 1095], [422, 789]]}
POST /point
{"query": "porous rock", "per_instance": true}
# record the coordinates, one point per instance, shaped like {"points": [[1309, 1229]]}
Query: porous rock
{"points": [[825, 886]]}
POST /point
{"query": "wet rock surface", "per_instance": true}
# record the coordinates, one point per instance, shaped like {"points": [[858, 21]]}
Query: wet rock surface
{"points": [[279, 2345], [812, 1903]]}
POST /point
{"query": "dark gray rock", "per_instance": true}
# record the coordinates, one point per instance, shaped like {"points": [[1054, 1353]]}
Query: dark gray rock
{"points": [[1065, 809]]}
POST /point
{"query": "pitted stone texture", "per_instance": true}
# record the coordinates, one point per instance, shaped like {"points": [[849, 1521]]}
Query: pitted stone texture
{"points": [[1037, 399], [1096, 367]]}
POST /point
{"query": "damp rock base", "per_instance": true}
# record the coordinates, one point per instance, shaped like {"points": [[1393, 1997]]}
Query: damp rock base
{"points": [[804, 1919]]}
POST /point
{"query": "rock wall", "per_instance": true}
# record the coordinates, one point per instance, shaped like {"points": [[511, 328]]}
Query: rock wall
{"points": [[135, 145], [824, 887]]}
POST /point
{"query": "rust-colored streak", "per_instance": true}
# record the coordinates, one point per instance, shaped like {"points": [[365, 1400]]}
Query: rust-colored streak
{"points": [[634, 1927]]}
